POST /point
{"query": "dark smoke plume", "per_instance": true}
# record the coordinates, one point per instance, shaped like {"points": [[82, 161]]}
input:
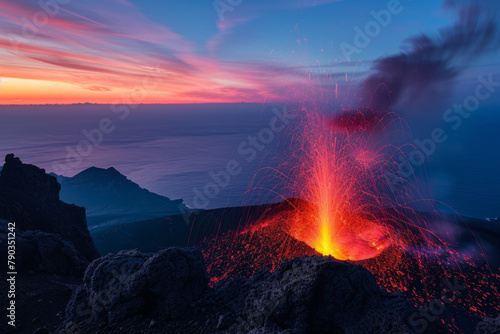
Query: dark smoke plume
{"points": [[427, 68]]}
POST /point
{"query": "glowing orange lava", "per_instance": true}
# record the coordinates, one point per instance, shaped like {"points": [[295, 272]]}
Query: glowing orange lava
{"points": [[341, 190], [340, 205]]}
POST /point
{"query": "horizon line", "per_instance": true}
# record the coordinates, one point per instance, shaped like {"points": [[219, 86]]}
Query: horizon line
{"points": [[122, 104]]}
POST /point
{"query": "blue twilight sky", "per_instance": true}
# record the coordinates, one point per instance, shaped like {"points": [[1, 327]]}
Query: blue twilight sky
{"points": [[213, 51], [292, 33]]}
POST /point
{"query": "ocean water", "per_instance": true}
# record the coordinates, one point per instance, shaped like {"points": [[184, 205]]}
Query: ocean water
{"points": [[170, 150], [174, 150]]}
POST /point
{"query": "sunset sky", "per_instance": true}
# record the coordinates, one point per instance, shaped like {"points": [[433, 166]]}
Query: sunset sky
{"points": [[185, 52]]}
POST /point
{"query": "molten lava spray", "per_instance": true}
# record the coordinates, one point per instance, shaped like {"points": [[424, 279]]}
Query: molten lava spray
{"points": [[341, 189], [343, 207]]}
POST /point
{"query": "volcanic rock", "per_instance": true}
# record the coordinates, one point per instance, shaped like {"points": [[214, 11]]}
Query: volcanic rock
{"points": [[45, 252], [30, 198], [126, 291], [119, 286], [488, 326], [40, 301], [312, 295]]}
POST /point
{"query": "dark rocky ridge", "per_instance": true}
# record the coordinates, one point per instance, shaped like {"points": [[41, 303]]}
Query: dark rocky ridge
{"points": [[167, 292], [30, 198]]}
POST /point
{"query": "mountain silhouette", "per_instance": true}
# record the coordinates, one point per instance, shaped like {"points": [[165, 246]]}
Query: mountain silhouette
{"points": [[110, 197]]}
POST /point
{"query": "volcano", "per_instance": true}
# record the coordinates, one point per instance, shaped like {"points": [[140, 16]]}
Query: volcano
{"points": [[347, 212]]}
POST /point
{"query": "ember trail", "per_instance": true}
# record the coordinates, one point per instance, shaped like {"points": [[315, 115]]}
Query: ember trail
{"points": [[343, 207], [335, 176]]}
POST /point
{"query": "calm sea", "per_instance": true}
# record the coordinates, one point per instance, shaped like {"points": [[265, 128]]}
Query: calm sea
{"points": [[174, 150]]}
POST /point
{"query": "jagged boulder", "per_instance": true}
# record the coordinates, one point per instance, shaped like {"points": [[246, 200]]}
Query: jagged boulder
{"points": [[310, 295], [30, 197], [119, 286], [488, 326], [130, 290]]}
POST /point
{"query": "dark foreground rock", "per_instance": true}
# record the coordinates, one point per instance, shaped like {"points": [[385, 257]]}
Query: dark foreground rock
{"points": [[161, 285], [51, 236], [168, 292], [488, 326], [40, 302], [44, 252], [311, 295], [30, 197]]}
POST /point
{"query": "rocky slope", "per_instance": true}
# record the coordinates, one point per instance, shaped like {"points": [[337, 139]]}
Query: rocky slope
{"points": [[488, 326], [41, 301], [188, 229], [52, 236], [168, 292], [44, 252]]}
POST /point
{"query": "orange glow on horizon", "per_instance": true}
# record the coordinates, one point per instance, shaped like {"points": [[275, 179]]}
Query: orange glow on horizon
{"points": [[13, 92]]}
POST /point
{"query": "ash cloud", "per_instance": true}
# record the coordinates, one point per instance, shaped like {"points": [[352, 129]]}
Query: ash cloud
{"points": [[429, 65]]}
